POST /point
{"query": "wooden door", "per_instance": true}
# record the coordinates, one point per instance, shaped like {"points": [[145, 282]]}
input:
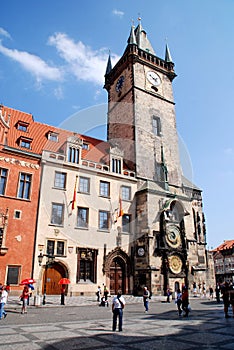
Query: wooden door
{"points": [[54, 274], [116, 276]]}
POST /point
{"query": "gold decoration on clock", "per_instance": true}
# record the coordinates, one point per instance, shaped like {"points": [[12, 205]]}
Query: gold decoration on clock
{"points": [[175, 264]]}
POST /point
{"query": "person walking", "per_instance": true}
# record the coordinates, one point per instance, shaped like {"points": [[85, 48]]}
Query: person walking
{"points": [[118, 305], [226, 298], [178, 301], [98, 293], [217, 293], [146, 295], [106, 292], [63, 290], [185, 301], [3, 301], [24, 298]]}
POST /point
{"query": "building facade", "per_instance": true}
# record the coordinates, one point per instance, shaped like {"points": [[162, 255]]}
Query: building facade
{"points": [[119, 213], [223, 257]]}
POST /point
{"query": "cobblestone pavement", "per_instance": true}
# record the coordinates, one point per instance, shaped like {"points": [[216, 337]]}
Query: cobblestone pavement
{"points": [[81, 324]]}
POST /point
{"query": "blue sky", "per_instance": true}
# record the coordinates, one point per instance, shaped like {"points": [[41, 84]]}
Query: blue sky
{"points": [[53, 56]]}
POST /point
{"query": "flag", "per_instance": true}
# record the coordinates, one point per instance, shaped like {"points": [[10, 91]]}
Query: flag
{"points": [[120, 213], [74, 194]]}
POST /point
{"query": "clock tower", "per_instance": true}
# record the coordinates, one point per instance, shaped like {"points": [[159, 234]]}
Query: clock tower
{"points": [[169, 244], [141, 113]]}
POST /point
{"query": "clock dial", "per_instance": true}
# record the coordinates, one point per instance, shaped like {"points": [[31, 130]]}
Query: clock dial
{"points": [[140, 251], [173, 238], [119, 84], [175, 264], [153, 78]]}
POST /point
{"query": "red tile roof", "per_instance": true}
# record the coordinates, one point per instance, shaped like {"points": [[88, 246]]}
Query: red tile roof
{"points": [[98, 150], [225, 245]]}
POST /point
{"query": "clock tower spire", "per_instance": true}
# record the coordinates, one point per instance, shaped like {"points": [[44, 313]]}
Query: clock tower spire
{"points": [[141, 113]]}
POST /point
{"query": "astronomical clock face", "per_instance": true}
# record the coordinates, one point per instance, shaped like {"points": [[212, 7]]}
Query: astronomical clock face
{"points": [[175, 264], [173, 238]]}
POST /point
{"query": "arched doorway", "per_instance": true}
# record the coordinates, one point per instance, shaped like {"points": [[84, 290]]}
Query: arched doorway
{"points": [[117, 276], [51, 278], [118, 271]]}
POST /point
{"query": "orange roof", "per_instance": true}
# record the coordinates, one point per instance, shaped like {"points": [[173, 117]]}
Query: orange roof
{"points": [[225, 245], [37, 135]]}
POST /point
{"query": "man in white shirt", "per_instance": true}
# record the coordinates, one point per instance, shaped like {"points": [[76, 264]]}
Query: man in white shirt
{"points": [[118, 304]]}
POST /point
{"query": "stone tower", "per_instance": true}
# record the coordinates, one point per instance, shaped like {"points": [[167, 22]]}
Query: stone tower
{"points": [[169, 245]]}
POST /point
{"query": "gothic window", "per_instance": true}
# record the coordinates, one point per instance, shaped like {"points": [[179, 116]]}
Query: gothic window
{"points": [[3, 180], [156, 125], [57, 214], [83, 217], [24, 185], [84, 184], [126, 193], [104, 189], [104, 220], [60, 180]]}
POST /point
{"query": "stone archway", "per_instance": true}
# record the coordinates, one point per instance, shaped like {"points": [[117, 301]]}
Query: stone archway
{"points": [[117, 268]]}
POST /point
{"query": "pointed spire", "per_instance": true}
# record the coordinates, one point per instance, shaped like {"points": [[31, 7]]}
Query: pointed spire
{"points": [[168, 55], [141, 38], [132, 36], [109, 65]]}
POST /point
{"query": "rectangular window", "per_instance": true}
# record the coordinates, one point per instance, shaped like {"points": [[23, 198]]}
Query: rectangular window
{"points": [[50, 247], [60, 248], [57, 214], [13, 273], [52, 136], [104, 189], [55, 247], [3, 180], [60, 180], [86, 265], [104, 217], [156, 124], [25, 143], [83, 217], [126, 193], [24, 186], [116, 166], [84, 184], [85, 146], [22, 127], [73, 155], [126, 223]]}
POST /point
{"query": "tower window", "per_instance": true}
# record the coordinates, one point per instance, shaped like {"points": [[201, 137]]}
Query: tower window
{"points": [[156, 124]]}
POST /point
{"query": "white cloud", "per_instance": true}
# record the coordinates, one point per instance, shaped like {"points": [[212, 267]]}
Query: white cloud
{"points": [[118, 13], [80, 61], [4, 33], [33, 64], [83, 62]]}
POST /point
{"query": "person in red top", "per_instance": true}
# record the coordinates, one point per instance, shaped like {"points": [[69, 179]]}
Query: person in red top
{"points": [[185, 301], [24, 297]]}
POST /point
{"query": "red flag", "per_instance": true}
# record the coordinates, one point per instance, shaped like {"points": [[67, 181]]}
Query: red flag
{"points": [[74, 194], [120, 213]]}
